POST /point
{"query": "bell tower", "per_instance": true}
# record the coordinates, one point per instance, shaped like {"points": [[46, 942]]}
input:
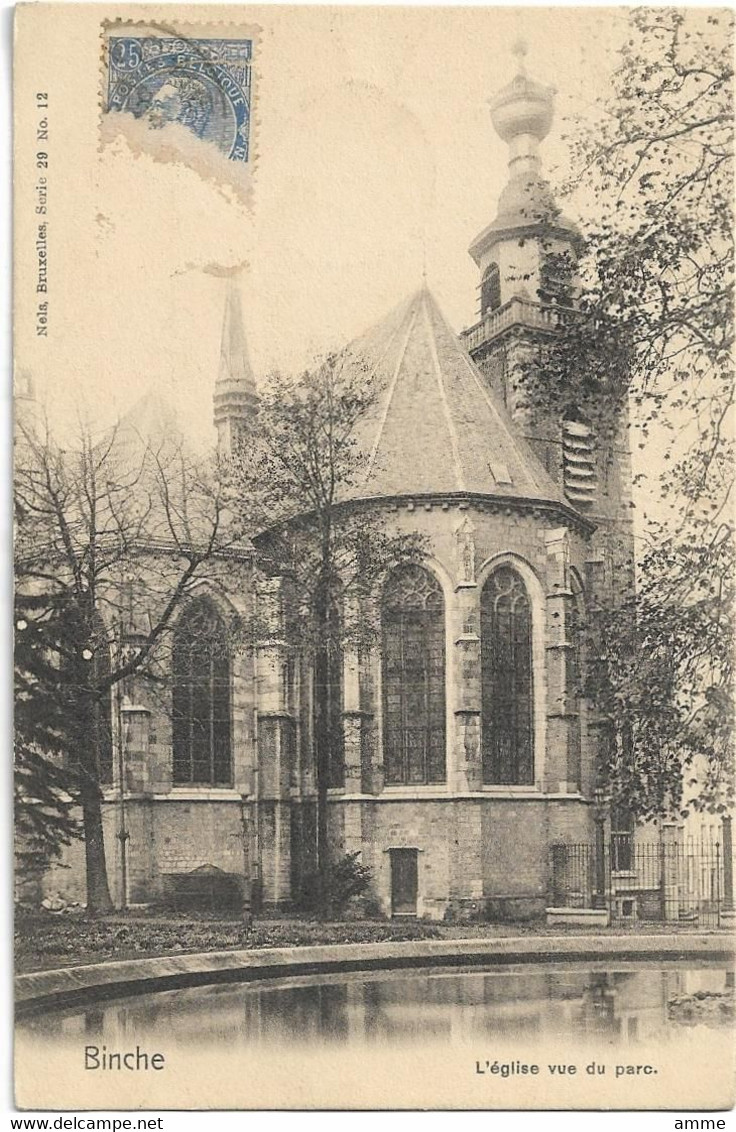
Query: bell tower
{"points": [[528, 223], [528, 231], [526, 258]]}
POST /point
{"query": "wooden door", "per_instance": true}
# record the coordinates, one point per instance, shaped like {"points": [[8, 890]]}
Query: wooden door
{"points": [[403, 882]]}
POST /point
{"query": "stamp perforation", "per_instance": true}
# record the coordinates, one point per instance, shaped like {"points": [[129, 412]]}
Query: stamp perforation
{"points": [[203, 77]]}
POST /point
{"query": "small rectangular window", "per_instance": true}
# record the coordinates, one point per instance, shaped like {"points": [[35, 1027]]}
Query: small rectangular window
{"points": [[622, 840]]}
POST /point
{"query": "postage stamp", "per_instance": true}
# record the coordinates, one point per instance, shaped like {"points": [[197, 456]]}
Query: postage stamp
{"points": [[203, 84]]}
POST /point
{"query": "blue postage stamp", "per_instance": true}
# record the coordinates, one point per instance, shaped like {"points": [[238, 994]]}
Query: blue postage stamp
{"points": [[204, 84]]}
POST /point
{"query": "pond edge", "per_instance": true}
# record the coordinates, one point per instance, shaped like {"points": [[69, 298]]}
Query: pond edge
{"points": [[93, 982]]}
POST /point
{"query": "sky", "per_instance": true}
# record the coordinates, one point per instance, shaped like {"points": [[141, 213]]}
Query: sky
{"points": [[374, 161]]}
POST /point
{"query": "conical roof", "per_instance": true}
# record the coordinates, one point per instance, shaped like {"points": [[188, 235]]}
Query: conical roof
{"points": [[437, 427], [150, 420]]}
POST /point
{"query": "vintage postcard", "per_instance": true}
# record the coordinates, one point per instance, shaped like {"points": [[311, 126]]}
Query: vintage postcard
{"points": [[373, 557]]}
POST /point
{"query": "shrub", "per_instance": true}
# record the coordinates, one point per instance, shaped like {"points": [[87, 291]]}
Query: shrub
{"points": [[327, 892]]}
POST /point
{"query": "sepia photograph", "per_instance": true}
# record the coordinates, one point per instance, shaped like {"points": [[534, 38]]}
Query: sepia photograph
{"points": [[373, 553]]}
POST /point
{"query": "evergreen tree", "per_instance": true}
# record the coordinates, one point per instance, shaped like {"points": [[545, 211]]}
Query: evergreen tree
{"points": [[44, 783]]}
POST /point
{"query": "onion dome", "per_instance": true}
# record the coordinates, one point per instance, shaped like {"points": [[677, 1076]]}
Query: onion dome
{"points": [[522, 114]]}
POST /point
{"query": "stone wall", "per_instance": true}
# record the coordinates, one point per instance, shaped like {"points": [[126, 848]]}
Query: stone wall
{"points": [[480, 848], [477, 857]]}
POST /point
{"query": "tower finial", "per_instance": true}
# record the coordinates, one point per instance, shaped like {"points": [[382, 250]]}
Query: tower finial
{"points": [[520, 49]]}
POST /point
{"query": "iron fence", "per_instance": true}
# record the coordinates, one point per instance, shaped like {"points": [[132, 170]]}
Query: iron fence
{"points": [[572, 875], [676, 881]]}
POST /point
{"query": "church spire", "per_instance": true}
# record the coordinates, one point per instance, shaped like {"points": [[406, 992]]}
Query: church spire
{"points": [[235, 398]]}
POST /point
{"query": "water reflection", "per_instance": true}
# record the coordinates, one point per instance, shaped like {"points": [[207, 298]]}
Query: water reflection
{"points": [[621, 1006]]}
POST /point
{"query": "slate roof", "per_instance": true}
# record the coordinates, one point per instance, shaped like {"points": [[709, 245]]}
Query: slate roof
{"points": [[150, 420], [437, 427]]}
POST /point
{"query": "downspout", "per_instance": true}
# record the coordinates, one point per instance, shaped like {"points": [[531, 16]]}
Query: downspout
{"points": [[256, 766], [122, 833]]}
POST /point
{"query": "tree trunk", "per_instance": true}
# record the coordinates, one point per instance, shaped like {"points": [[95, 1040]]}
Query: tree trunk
{"points": [[323, 721], [98, 889], [322, 751]]}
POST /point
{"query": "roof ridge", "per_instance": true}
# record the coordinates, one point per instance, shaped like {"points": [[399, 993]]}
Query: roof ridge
{"points": [[437, 427], [394, 380], [522, 449], [443, 393]]}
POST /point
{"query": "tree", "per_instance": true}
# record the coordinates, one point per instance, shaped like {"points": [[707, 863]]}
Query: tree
{"points": [[43, 786], [655, 174], [299, 462], [113, 533]]}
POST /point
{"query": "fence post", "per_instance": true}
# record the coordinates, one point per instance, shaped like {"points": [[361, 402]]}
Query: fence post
{"points": [[727, 865], [602, 871], [670, 870]]}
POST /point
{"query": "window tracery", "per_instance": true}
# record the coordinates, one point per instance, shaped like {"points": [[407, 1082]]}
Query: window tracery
{"points": [[413, 627], [507, 680], [201, 698]]}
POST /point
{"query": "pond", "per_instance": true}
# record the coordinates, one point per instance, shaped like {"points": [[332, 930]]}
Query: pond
{"points": [[585, 1035], [624, 1004]]}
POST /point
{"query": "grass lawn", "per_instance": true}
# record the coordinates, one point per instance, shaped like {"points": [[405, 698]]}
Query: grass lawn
{"points": [[48, 940]]}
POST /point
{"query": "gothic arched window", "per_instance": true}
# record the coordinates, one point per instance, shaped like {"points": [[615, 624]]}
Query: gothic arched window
{"points": [[328, 693], [201, 700], [506, 665], [490, 289], [413, 624]]}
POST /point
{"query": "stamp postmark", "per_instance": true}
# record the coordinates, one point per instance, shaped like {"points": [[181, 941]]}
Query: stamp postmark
{"points": [[202, 84]]}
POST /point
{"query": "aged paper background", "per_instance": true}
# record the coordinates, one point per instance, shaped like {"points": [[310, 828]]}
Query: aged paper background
{"points": [[367, 125], [373, 163]]}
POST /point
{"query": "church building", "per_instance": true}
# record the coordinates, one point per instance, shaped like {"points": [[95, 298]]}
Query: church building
{"points": [[468, 750]]}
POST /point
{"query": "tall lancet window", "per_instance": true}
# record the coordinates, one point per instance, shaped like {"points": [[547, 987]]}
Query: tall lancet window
{"points": [[490, 289], [328, 694], [201, 700], [413, 624], [507, 681]]}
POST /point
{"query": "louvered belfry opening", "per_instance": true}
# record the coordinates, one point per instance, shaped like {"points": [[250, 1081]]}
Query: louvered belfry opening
{"points": [[201, 699], [507, 681], [578, 459], [413, 628]]}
